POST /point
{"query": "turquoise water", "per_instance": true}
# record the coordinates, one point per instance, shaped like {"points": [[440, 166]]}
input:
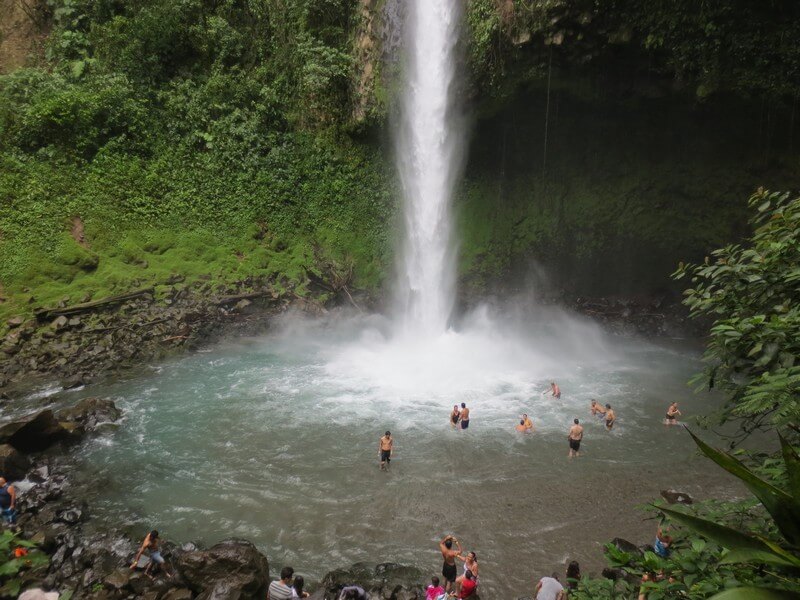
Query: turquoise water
{"points": [[275, 439]]}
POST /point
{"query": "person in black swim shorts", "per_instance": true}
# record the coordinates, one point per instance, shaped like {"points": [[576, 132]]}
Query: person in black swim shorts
{"points": [[464, 416], [449, 570], [385, 450], [575, 436]]}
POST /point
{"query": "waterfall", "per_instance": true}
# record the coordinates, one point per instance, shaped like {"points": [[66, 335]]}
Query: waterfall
{"points": [[429, 142]]}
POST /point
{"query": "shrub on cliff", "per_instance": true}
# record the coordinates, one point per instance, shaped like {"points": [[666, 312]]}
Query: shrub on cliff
{"points": [[752, 292]]}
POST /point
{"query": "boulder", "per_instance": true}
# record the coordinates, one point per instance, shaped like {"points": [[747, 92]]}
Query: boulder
{"points": [[15, 321], [32, 433], [89, 413], [230, 570], [675, 497], [178, 594], [13, 464], [59, 323], [386, 580], [626, 546], [73, 382]]}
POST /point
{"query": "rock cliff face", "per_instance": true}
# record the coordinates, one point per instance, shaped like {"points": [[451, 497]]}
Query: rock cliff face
{"points": [[24, 25]]}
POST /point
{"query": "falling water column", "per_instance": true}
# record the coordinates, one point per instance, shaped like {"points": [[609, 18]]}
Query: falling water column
{"points": [[429, 143]]}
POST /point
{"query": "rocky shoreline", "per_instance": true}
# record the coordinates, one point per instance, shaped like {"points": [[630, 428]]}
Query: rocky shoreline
{"points": [[84, 564], [76, 344]]}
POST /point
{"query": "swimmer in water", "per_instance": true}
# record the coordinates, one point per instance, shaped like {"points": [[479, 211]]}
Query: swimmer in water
{"points": [[464, 416], [611, 418], [521, 426], [455, 416], [597, 410], [555, 391], [528, 423], [672, 414]]}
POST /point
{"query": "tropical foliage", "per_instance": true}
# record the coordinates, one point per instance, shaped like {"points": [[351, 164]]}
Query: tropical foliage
{"points": [[752, 293], [16, 555]]}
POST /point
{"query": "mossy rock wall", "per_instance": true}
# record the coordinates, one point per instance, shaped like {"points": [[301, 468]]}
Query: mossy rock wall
{"points": [[627, 188]]}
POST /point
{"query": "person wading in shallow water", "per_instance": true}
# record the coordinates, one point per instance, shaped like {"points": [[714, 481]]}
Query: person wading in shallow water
{"points": [[575, 436], [555, 391], [672, 414], [464, 416], [611, 418], [385, 450], [528, 423], [449, 570], [455, 416]]}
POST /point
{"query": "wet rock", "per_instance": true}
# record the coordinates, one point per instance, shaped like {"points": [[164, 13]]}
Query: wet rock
{"points": [[231, 569], [89, 413], [15, 321], [70, 516], [32, 433], [73, 382], [178, 594], [625, 546], [59, 323], [13, 464], [675, 497]]}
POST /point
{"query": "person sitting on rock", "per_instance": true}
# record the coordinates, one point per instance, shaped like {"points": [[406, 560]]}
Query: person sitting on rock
{"points": [[157, 561], [297, 587], [281, 589], [8, 503], [353, 592]]}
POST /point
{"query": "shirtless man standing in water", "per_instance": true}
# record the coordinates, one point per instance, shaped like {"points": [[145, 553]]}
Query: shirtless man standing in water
{"points": [[575, 436], [385, 450], [464, 416], [449, 570], [611, 418]]}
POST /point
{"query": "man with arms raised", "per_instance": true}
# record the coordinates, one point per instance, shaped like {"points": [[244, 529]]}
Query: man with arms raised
{"points": [[575, 436], [449, 570], [281, 589]]}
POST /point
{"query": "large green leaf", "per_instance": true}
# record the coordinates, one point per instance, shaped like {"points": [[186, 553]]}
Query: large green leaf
{"points": [[792, 461], [743, 548], [784, 508], [751, 593]]}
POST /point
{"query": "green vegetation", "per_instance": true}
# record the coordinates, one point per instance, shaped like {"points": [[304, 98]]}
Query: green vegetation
{"points": [[745, 549], [193, 138], [13, 565], [751, 293], [707, 48]]}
